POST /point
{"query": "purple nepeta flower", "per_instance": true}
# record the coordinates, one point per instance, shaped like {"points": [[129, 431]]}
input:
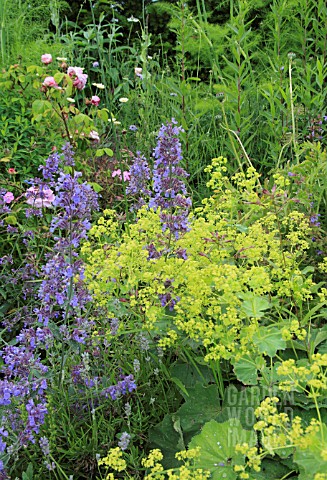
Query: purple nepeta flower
{"points": [[136, 365], [3, 433], [77, 202], [121, 388], [124, 440], [45, 447], [36, 415], [51, 167], [144, 343], [315, 129], [80, 374], [68, 153], [8, 390], [181, 253], [153, 252], [11, 229], [133, 128], [170, 193], [139, 178], [114, 325], [33, 212], [314, 220], [39, 337], [19, 361], [166, 299], [7, 259], [61, 295], [63, 282]]}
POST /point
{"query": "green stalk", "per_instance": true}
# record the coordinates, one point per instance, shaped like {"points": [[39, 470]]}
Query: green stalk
{"points": [[291, 56], [231, 138]]}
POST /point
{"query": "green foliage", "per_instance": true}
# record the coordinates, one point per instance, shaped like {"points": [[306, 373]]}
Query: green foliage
{"points": [[22, 23], [177, 429], [29, 115], [217, 442], [22, 142], [312, 458]]}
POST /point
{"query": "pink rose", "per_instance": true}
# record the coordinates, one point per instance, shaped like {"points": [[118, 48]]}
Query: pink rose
{"points": [[95, 100], [46, 58], [75, 71], [79, 78], [8, 197], [39, 197], [50, 82], [80, 81], [93, 135]]}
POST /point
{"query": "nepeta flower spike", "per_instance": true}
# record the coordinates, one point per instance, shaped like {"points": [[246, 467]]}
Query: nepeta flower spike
{"points": [[168, 181]]}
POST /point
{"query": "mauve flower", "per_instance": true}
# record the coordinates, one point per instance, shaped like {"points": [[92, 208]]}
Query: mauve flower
{"points": [[95, 64], [39, 197], [50, 82], [8, 197], [117, 173], [11, 171], [78, 76], [95, 100], [46, 58]]}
